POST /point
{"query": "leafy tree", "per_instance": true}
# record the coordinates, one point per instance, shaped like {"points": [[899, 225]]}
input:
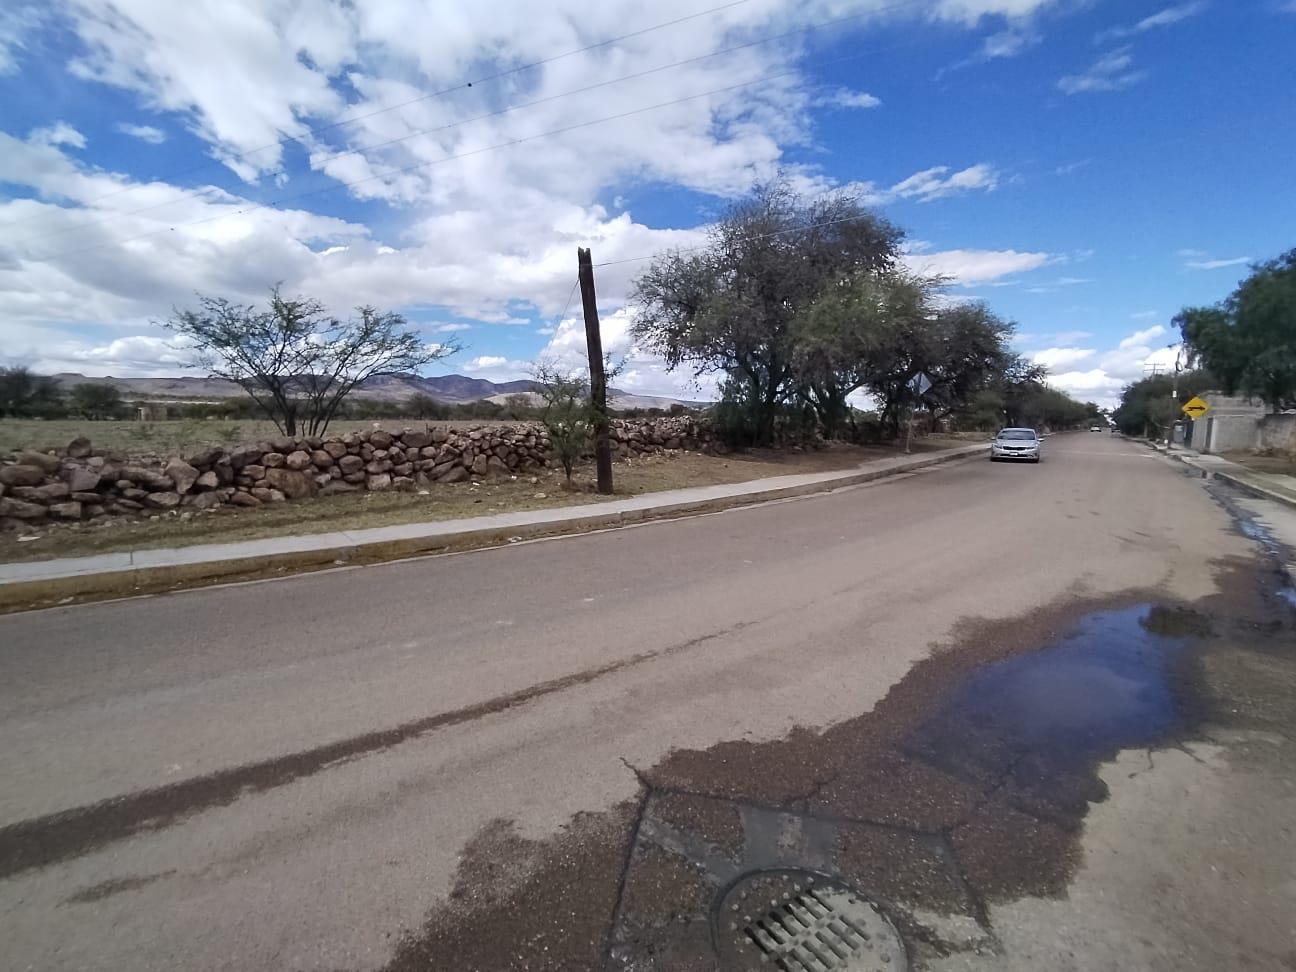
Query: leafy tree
{"points": [[1148, 406], [730, 308], [1022, 388], [844, 340], [95, 402], [962, 349], [969, 353], [294, 360], [25, 395], [1248, 342], [567, 414], [426, 408], [1049, 408]]}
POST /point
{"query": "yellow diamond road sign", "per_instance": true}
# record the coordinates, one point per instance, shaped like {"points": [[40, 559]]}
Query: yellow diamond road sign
{"points": [[1196, 408]]}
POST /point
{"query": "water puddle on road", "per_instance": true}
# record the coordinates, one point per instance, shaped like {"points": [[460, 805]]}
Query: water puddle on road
{"points": [[966, 785], [1104, 688]]}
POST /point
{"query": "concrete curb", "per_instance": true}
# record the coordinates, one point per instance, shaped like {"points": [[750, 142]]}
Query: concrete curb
{"points": [[26, 585], [1246, 485], [1221, 471]]}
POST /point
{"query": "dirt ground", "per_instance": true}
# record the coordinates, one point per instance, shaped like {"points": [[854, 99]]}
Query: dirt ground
{"points": [[1280, 464], [547, 488]]}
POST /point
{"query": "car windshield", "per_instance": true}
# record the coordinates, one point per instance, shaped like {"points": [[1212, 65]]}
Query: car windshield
{"points": [[1017, 434]]}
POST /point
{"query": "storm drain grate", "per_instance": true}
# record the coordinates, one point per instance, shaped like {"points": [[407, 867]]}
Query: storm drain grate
{"points": [[799, 922]]}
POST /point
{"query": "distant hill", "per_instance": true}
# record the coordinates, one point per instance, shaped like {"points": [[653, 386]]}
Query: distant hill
{"points": [[452, 389]]}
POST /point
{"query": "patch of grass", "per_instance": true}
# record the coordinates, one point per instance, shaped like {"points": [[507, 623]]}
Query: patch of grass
{"points": [[441, 502]]}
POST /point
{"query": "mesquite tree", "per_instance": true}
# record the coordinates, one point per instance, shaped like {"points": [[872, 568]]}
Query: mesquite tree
{"points": [[294, 360], [567, 414]]}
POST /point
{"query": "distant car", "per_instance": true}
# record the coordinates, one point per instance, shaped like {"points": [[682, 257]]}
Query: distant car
{"points": [[1016, 444], [1095, 428]]}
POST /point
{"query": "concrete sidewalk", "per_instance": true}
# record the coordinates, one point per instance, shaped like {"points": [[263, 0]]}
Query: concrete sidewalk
{"points": [[1272, 486], [44, 582]]}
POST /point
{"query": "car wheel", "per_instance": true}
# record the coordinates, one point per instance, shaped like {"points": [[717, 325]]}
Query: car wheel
{"points": [[1036, 460]]}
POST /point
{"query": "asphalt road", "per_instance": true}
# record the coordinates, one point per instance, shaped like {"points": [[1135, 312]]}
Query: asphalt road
{"points": [[286, 775]]}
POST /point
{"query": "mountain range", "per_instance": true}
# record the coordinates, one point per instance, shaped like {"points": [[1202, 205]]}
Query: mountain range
{"points": [[452, 389]]}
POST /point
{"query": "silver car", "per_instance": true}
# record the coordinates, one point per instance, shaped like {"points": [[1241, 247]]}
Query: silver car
{"points": [[1016, 444]]}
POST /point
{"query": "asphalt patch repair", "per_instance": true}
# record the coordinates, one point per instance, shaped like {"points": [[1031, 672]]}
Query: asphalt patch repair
{"points": [[967, 785]]}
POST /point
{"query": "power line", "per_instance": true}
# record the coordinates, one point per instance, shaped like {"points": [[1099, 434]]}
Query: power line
{"points": [[462, 86], [451, 158], [834, 22], [567, 306]]}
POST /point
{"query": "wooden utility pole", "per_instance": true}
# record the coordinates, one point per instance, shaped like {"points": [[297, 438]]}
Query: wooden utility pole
{"points": [[598, 379]]}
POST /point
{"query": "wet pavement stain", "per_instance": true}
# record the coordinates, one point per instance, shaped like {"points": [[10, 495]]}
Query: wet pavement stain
{"points": [[980, 801], [106, 889], [71, 833], [1029, 721], [967, 785]]}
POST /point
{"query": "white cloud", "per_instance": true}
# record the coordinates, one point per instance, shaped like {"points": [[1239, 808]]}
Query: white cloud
{"points": [[145, 133], [972, 12], [1009, 43], [641, 373], [939, 182], [17, 20], [1092, 385], [1059, 283], [243, 80], [1201, 260], [1218, 264], [1071, 167], [1019, 35], [451, 328], [100, 263], [1134, 358], [1052, 358], [491, 367], [1111, 72], [1145, 315], [489, 236], [845, 98], [131, 356], [60, 133], [1141, 338], [1162, 18], [970, 267]]}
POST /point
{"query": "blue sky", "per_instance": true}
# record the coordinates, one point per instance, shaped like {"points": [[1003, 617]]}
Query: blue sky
{"points": [[1086, 167]]}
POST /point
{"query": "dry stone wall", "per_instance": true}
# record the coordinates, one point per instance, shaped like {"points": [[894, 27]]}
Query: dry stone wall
{"points": [[80, 482]]}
